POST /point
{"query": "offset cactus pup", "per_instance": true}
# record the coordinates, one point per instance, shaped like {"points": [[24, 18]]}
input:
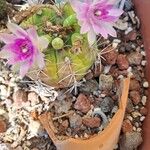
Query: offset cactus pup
{"points": [[68, 56]]}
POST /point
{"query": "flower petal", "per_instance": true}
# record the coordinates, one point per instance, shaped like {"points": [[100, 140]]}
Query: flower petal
{"points": [[43, 42], [85, 27], [110, 30], [115, 12], [91, 37], [24, 68], [7, 38], [16, 29], [13, 60], [40, 60], [32, 33], [100, 29]]}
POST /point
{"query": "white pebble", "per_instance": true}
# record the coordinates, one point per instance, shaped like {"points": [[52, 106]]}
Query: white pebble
{"points": [[144, 99], [116, 41], [136, 114], [142, 118], [134, 128], [121, 25], [143, 63], [143, 53], [137, 124], [120, 77], [130, 118], [145, 84], [3, 91], [136, 107], [103, 95], [139, 130], [129, 69], [126, 18], [114, 45], [128, 30]]}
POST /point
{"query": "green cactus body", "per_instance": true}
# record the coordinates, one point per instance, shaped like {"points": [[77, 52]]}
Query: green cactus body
{"points": [[69, 61]]}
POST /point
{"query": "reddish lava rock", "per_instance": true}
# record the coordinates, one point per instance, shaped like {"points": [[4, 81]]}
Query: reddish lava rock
{"points": [[94, 122], [127, 126], [135, 97], [110, 57], [82, 104], [122, 62], [3, 126], [131, 35], [143, 111], [134, 85]]}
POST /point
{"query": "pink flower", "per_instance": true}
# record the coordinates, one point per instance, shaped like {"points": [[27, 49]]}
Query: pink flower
{"points": [[22, 48], [96, 17]]}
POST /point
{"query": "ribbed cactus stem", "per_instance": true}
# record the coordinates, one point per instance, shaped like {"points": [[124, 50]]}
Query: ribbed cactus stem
{"points": [[68, 56]]}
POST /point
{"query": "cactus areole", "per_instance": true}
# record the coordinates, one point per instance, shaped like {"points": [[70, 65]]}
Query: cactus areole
{"points": [[68, 56]]}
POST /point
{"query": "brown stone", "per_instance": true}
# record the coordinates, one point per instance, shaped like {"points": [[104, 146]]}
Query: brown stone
{"points": [[127, 126], [143, 111], [94, 122], [135, 58], [135, 97], [134, 85], [110, 57], [3, 126], [65, 124], [89, 75], [122, 62], [82, 103]]}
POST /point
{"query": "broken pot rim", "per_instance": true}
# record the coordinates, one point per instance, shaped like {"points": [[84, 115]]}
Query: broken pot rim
{"points": [[122, 107]]}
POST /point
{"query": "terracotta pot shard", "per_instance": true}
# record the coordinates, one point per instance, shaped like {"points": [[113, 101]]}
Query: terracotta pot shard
{"points": [[106, 140]]}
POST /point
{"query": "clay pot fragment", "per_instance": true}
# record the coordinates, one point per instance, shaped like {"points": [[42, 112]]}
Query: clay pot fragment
{"points": [[106, 140]]}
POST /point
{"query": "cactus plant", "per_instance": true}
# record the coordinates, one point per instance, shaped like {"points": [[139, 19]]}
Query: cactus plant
{"points": [[68, 56]]}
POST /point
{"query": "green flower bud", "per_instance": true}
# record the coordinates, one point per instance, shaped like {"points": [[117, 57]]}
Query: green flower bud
{"points": [[76, 37], [57, 43]]}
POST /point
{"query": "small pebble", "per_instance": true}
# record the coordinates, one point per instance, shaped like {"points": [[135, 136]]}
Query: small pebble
{"points": [[145, 84], [129, 29], [134, 128], [130, 118], [143, 53], [136, 114], [139, 130], [137, 124], [143, 63], [142, 118], [144, 100], [82, 103]]}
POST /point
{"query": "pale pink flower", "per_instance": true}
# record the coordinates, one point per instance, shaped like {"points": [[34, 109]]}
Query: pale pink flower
{"points": [[23, 48], [96, 17]]}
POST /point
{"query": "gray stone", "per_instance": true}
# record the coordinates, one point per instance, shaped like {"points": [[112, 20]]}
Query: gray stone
{"points": [[130, 141], [90, 86], [106, 82], [107, 104], [75, 121]]}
